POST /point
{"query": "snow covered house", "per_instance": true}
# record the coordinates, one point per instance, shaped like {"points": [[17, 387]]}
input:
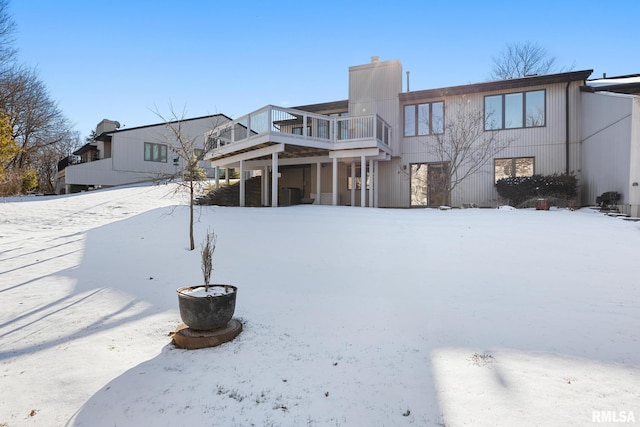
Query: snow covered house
{"points": [[379, 147], [125, 156], [376, 147]]}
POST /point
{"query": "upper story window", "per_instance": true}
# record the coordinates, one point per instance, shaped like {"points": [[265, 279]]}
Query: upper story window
{"points": [[424, 119], [514, 110], [155, 152]]}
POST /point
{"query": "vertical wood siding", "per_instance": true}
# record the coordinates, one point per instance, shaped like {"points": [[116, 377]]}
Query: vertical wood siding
{"points": [[546, 144], [374, 89], [606, 149]]}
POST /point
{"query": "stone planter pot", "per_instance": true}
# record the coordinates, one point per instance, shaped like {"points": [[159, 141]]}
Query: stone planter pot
{"points": [[543, 204], [207, 311]]}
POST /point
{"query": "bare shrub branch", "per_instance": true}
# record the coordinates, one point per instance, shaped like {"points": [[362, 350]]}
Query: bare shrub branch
{"points": [[208, 248], [465, 146]]}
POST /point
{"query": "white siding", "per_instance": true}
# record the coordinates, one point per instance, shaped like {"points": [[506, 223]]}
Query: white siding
{"points": [[393, 184], [634, 171], [101, 173], [374, 89], [546, 144], [607, 145], [127, 164]]}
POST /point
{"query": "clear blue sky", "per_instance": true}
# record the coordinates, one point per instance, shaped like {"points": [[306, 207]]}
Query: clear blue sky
{"points": [[123, 60]]}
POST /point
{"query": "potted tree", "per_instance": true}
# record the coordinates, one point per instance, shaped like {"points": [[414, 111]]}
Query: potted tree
{"points": [[207, 307]]}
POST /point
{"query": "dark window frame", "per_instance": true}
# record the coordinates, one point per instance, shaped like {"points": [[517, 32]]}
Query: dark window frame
{"points": [[514, 169], [358, 178], [502, 125], [162, 154], [416, 119]]}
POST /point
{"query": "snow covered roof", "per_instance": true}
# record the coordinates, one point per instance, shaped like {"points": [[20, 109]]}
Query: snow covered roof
{"points": [[629, 84]]}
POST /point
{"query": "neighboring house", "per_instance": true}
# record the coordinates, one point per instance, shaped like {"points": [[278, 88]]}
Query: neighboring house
{"points": [[124, 156], [381, 136]]}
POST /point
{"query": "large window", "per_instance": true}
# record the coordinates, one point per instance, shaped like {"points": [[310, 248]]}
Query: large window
{"points": [[424, 119], [514, 110], [516, 166], [155, 152]]}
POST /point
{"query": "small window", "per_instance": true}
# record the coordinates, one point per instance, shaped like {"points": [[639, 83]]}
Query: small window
{"points": [[512, 167], [155, 152]]}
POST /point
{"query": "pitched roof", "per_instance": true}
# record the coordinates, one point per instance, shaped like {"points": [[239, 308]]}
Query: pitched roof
{"points": [[104, 134]]}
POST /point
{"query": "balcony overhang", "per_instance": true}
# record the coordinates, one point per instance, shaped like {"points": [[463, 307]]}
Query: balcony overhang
{"points": [[297, 136]]}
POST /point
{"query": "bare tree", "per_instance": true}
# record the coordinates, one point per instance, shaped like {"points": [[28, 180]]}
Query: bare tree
{"points": [[45, 161], [464, 146], [522, 59], [191, 151], [38, 127], [7, 39]]}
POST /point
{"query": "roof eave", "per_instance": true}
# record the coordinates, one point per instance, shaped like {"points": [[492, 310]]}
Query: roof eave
{"points": [[518, 83]]}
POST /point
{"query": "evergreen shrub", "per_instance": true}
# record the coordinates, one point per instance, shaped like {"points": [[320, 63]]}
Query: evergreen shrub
{"points": [[521, 190]]}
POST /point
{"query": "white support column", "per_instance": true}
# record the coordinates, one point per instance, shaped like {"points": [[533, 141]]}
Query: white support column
{"points": [[262, 179], [216, 174], [318, 183], [265, 186], [376, 194], [226, 175], [274, 180], [334, 184], [353, 183], [363, 181], [242, 183], [371, 183]]}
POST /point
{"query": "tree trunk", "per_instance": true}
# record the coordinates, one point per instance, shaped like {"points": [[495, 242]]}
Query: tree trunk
{"points": [[191, 239]]}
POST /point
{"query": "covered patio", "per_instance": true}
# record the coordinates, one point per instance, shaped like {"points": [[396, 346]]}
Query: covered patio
{"points": [[275, 137]]}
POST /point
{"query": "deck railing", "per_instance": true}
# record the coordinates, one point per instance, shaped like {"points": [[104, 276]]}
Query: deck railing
{"points": [[302, 124]]}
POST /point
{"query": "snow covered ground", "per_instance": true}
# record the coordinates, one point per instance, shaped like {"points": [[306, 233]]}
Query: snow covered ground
{"points": [[352, 317]]}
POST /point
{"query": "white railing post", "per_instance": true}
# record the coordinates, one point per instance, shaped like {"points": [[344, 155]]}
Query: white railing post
{"points": [[304, 125], [375, 128], [270, 119]]}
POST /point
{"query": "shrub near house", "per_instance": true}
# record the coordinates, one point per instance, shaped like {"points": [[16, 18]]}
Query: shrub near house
{"points": [[522, 189]]}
